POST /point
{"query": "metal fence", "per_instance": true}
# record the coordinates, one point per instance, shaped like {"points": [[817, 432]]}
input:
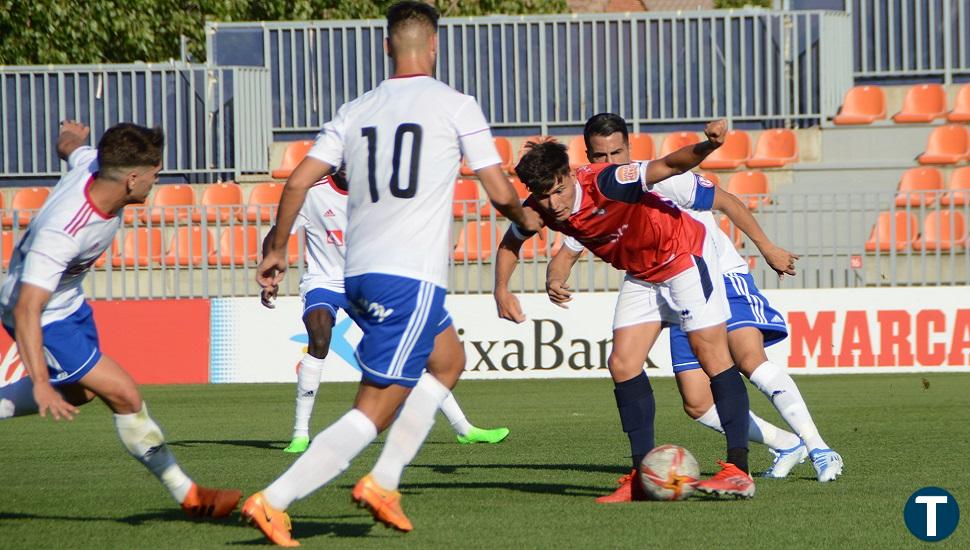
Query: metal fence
{"points": [[216, 119], [199, 251], [539, 72], [911, 38]]}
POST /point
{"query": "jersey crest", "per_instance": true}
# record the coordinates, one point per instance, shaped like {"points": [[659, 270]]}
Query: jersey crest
{"points": [[628, 173]]}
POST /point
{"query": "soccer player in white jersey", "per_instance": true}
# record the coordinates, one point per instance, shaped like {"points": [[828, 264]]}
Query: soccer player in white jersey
{"points": [[754, 324], [43, 308], [324, 218], [402, 143]]}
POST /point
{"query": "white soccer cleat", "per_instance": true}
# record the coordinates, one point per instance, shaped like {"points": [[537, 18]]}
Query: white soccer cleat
{"points": [[828, 464], [785, 460]]}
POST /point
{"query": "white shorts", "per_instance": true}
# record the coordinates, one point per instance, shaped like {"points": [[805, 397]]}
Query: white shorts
{"points": [[692, 300]]}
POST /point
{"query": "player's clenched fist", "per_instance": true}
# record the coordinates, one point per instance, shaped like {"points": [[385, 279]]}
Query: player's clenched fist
{"points": [[715, 131]]}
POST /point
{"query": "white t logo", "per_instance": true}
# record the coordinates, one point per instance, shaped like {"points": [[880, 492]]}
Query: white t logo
{"points": [[931, 503]]}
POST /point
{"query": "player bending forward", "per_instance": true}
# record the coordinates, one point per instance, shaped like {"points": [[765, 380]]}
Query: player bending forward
{"points": [[401, 143], [324, 219], [43, 308], [753, 325], [670, 256]]}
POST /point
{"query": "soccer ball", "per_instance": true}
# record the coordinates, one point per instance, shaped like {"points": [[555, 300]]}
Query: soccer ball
{"points": [[669, 472]]}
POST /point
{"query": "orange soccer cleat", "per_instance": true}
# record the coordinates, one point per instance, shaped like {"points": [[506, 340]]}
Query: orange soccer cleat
{"points": [[275, 524], [630, 490], [210, 503], [729, 481], [383, 504]]}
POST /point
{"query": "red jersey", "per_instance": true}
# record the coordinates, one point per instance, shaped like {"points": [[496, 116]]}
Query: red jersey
{"points": [[632, 229]]}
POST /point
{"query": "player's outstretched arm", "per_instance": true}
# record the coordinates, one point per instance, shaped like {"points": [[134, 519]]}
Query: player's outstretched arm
{"points": [[72, 135], [504, 198], [506, 258], [781, 260], [30, 345], [273, 265], [686, 158], [557, 276]]}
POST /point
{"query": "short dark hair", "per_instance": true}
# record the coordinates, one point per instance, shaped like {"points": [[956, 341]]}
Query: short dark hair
{"points": [[542, 165], [605, 125], [128, 145], [404, 13]]}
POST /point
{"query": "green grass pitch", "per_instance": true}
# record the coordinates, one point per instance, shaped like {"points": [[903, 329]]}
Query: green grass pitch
{"points": [[71, 485]]}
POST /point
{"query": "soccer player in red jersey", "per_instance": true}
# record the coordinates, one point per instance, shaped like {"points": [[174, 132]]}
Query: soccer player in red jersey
{"points": [[607, 209]]}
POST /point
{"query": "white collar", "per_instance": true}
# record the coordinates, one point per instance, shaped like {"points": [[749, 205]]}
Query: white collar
{"points": [[579, 197]]}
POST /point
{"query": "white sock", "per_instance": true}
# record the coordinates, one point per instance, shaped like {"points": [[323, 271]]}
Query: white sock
{"points": [[328, 456], [307, 384], [775, 383], [409, 431], [759, 430], [455, 415], [144, 440]]}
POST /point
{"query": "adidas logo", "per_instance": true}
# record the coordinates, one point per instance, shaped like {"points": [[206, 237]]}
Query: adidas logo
{"points": [[777, 319], [328, 214]]}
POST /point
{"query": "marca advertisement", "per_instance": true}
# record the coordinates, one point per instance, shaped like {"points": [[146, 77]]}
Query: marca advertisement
{"points": [[156, 341], [831, 331]]}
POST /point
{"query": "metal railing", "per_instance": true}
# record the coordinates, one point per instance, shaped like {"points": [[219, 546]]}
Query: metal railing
{"points": [[911, 38], [211, 251], [539, 72], [216, 119]]}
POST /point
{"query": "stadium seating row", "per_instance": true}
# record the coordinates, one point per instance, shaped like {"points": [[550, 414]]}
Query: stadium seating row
{"points": [[923, 103], [774, 148], [942, 230], [948, 144], [924, 186]]}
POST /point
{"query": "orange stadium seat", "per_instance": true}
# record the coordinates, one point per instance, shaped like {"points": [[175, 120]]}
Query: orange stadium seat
{"points": [[577, 152], [731, 231], [520, 189], [862, 105], [171, 203], [752, 186], [923, 103], [943, 230], [292, 156], [774, 148], [134, 213], [465, 202], [103, 258], [142, 247], [221, 202], [237, 246], [538, 246], [186, 248], [25, 202], [917, 185], [735, 152], [641, 146], [961, 107], [884, 239], [504, 148], [946, 145], [958, 189], [292, 249], [6, 243], [474, 242], [263, 201], [677, 140]]}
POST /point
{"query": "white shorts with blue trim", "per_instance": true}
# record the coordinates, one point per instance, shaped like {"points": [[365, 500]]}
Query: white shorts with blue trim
{"points": [[693, 299], [400, 318], [71, 346], [749, 308]]}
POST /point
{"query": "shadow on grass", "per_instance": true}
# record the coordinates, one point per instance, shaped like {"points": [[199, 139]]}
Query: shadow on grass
{"points": [[169, 514], [306, 527], [253, 443], [612, 469], [560, 489]]}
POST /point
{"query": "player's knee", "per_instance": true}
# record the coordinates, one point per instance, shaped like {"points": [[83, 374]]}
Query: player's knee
{"points": [[319, 346], [694, 410], [124, 400], [623, 368], [749, 361]]}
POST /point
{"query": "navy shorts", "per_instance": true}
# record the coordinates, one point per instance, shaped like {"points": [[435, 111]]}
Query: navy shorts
{"points": [[400, 318], [749, 308], [70, 346], [325, 298]]}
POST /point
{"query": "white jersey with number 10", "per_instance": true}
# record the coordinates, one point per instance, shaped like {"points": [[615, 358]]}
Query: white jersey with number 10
{"points": [[402, 144]]}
